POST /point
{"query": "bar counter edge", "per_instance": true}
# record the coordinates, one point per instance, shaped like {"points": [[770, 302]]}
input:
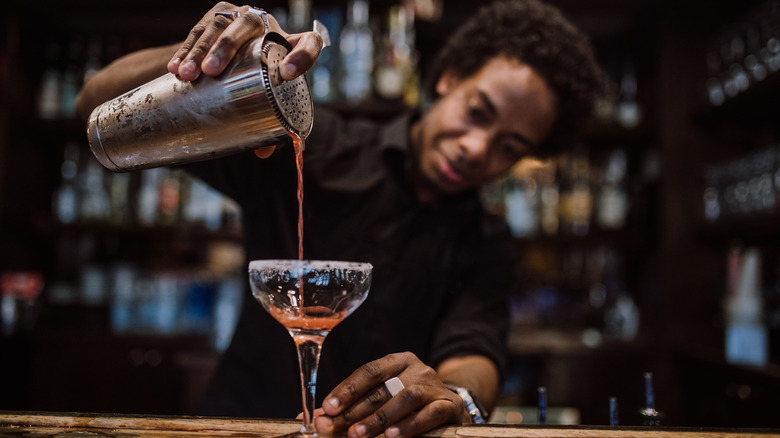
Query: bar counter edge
{"points": [[38, 424]]}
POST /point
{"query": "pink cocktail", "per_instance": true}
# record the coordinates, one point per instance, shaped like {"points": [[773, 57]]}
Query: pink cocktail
{"points": [[309, 298]]}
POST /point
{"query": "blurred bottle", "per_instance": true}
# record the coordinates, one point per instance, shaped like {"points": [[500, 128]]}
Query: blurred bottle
{"points": [[541, 413], [715, 92], [747, 340], [521, 207], [772, 310], [650, 415], [730, 87], [299, 19], [93, 284], [71, 83], [93, 63], [577, 199], [66, 197], [711, 196], [203, 205], [357, 53], [231, 215], [226, 310], [549, 200], [19, 300], [736, 70], [628, 111], [614, 417], [613, 197], [168, 295], [72, 78], [147, 196], [770, 35], [123, 283], [621, 320], [776, 174], [752, 63], [169, 197], [198, 305], [119, 198], [51, 83], [396, 75], [324, 86], [93, 196]]}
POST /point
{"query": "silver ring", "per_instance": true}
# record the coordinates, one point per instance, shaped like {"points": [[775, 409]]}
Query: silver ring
{"points": [[228, 14], [263, 15], [394, 386]]}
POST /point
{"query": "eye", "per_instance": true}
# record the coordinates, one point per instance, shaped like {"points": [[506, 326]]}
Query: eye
{"points": [[512, 148], [477, 113]]}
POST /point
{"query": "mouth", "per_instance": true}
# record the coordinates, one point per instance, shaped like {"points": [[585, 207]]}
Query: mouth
{"points": [[449, 172]]}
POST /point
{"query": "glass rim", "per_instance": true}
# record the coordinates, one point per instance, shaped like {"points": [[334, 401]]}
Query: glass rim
{"points": [[255, 265]]}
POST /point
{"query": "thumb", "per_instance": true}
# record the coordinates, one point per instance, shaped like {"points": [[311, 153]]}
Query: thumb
{"points": [[306, 48]]}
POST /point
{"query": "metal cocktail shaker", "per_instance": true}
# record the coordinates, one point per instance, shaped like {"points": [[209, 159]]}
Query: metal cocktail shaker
{"points": [[170, 121]]}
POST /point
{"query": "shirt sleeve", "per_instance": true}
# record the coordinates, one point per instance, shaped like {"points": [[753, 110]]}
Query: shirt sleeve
{"points": [[477, 319]]}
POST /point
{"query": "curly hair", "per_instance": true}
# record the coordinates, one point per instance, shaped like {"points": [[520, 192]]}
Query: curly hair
{"points": [[538, 35]]}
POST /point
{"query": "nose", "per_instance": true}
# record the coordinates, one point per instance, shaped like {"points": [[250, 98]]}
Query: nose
{"points": [[474, 146]]}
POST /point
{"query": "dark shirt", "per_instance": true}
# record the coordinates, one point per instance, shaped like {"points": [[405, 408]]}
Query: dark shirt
{"points": [[441, 269]]}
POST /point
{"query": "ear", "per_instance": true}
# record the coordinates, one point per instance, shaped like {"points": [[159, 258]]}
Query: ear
{"points": [[447, 81]]}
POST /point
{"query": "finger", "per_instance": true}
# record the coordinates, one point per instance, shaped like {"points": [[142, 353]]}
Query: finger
{"points": [[184, 50], [418, 422], [414, 410], [243, 28], [191, 65], [306, 48], [363, 380], [405, 403], [195, 35], [324, 424], [265, 152], [357, 411]]}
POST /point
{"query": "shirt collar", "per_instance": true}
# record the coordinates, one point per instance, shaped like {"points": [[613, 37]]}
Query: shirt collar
{"points": [[395, 135]]}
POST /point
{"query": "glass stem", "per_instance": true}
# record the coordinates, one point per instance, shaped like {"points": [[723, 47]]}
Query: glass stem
{"points": [[308, 360]]}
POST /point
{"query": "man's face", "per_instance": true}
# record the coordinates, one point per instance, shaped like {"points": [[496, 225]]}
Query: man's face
{"points": [[480, 127]]}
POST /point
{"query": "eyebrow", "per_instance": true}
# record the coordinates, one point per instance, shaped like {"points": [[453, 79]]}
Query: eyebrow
{"points": [[494, 112]]}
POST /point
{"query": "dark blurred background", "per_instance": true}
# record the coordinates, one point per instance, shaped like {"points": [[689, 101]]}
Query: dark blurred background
{"points": [[650, 247]]}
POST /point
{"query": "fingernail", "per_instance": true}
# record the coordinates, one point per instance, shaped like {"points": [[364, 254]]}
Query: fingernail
{"points": [[290, 69], [212, 62], [175, 61], [360, 430], [188, 68], [333, 402], [392, 432]]}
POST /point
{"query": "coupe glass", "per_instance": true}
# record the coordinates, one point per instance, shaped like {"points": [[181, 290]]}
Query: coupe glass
{"points": [[309, 297]]}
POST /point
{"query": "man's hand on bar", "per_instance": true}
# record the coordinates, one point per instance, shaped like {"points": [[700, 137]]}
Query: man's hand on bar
{"points": [[363, 407]]}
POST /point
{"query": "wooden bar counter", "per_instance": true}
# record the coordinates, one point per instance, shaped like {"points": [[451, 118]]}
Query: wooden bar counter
{"points": [[35, 424]]}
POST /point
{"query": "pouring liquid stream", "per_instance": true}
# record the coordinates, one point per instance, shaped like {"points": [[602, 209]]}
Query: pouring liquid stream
{"points": [[299, 143], [312, 316]]}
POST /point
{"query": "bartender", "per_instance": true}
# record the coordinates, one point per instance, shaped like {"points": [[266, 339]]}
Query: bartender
{"points": [[516, 80]]}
